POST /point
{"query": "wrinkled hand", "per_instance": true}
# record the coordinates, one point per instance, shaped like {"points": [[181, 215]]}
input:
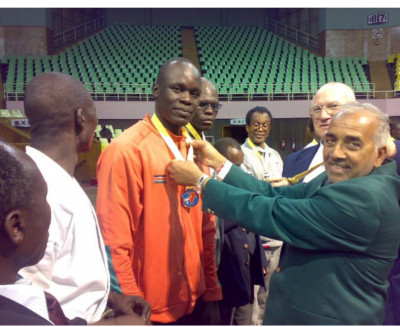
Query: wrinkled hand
{"points": [[277, 182], [206, 154], [185, 173], [129, 305]]}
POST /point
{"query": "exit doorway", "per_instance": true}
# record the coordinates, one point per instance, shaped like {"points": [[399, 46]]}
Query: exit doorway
{"points": [[238, 132]]}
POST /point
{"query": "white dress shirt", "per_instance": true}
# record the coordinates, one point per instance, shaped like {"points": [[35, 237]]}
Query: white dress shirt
{"points": [[318, 158], [29, 296], [74, 268]]}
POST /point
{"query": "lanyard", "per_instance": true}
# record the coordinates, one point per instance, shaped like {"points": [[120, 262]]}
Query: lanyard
{"points": [[189, 127], [253, 147], [169, 142]]}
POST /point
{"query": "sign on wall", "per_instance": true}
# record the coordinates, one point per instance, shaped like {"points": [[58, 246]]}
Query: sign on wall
{"points": [[20, 122], [238, 121], [378, 18]]}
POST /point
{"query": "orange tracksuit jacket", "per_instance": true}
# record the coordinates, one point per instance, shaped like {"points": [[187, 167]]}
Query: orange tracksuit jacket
{"points": [[157, 248]]}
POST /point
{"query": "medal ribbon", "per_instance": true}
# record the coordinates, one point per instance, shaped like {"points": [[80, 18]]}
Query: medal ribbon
{"points": [[169, 142], [298, 177], [189, 127]]}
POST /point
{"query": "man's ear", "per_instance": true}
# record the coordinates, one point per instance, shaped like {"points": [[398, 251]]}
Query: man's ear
{"points": [[14, 226], [79, 118], [155, 90], [382, 153], [247, 128]]}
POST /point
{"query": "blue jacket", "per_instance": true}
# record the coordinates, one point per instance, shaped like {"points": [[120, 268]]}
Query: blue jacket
{"points": [[299, 161], [241, 265]]}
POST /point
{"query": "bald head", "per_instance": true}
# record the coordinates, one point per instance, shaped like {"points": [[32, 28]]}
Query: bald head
{"points": [[170, 64], [51, 102], [230, 149], [204, 117], [326, 102], [208, 86], [342, 92]]}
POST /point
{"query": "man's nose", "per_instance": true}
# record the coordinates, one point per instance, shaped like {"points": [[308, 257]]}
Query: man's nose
{"points": [[185, 97], [324, 115], [209, 110], [337, 151]]}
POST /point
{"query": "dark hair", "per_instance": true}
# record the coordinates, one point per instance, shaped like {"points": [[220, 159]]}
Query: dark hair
{"points": [[15, 183], [223, 144], [259, 109]]}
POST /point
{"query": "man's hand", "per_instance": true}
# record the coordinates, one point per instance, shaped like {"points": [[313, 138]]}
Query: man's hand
{"points": [[277, 182], [129, 305], [206, 154], [185, 173]]}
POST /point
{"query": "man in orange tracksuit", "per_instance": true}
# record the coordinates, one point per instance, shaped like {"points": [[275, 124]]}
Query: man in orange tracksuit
{"points": [[157, 247]]}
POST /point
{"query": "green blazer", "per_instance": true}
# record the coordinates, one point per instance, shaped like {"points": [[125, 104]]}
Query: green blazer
{"points": [[342, 240]]}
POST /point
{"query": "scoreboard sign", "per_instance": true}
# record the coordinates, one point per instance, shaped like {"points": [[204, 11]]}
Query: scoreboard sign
{"points": [[378, 18]]}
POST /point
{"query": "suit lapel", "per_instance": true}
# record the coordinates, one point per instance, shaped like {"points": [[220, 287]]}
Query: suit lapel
{"points": [[18, 314]]}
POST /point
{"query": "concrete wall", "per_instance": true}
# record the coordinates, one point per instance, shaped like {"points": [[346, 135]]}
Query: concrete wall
{"points": [[25, 31], [355, 18], [187, 16], [230, 109], [360, 42], [26, 17]]}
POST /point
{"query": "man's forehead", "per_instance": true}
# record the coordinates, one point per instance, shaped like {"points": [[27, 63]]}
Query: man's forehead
{"points": [[330, 95], [358, 121], [181, 68], [208, 93]]}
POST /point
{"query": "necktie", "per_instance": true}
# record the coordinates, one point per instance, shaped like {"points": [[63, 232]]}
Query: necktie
{"points": [[56, 314]]}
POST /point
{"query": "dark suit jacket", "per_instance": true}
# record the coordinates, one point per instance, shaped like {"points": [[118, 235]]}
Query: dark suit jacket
{"points": [[13, 313], [239, 270], [297, 162], [342, 241]]}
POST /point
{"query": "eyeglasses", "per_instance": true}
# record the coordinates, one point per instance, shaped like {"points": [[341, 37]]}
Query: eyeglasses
{"points": [[257, 125], [330, 109], [214, 106]]}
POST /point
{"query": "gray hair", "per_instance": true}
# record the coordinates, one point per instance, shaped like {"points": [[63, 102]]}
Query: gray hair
{"points": [[382, 132]]}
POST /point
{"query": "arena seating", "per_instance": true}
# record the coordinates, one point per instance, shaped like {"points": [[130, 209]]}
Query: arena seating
{"points": [[252, 60], [394, 70], [122, 61]]}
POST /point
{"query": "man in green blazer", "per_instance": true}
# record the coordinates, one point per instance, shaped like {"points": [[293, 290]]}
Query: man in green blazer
{"points": [[342, 228]]}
